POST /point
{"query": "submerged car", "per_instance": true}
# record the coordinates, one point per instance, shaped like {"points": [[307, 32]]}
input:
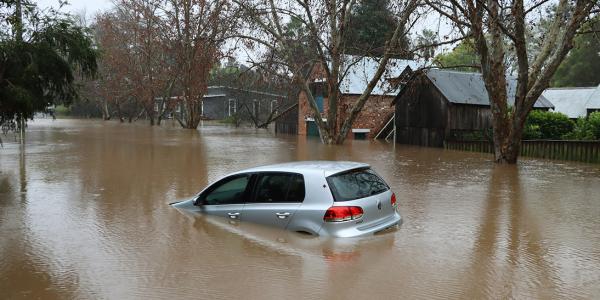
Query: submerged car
{"points": [[326, 198]]}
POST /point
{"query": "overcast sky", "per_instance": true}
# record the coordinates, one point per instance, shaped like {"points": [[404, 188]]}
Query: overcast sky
{"points": [[91, 7], [75, 6]]}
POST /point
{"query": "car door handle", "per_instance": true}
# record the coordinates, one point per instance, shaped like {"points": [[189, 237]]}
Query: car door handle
{"points": [[283, 215], [233, 215]]}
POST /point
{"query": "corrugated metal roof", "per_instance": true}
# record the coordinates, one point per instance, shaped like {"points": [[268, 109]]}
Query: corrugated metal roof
{"points": [[469, 88], [217, 90], [594, 101], [570, 101], [360, 70]]}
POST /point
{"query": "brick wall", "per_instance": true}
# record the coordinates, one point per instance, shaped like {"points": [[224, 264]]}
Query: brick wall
{"points": [[376, 112], [374, 115]]}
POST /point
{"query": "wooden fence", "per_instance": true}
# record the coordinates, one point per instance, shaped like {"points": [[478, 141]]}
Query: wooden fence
{"points": [[585, 151]]}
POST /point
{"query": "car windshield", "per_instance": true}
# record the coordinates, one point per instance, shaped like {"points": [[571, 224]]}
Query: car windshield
{"points": [[355, 184]]}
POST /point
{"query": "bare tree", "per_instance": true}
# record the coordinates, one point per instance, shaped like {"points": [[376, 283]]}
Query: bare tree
{"points": [[137, 65], [150, 71], [499, 30], [114, 89], [196, 30], [326, 24]]}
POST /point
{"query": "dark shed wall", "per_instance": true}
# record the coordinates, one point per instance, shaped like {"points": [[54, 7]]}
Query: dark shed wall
{"points": [[421, 114], [469, 117], [288, 123]]}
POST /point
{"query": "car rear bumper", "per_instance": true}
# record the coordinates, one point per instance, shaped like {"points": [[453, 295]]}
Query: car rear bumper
{"points": [[356, 231]]}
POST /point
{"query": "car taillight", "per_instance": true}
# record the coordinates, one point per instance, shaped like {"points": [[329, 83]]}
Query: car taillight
{"points": [[393, 200], [342, 213]]}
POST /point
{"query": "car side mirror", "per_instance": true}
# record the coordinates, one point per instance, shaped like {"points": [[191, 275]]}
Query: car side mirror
{"points": [[198, 200]]}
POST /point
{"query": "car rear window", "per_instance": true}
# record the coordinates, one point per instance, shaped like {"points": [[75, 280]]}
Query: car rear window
{"points": [[356, 184]]}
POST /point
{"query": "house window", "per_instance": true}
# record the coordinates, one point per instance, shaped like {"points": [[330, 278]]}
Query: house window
{"points": [[360, 133], [319, 100], [232, 107], [319, 92], [255, 107], [273, 105]]}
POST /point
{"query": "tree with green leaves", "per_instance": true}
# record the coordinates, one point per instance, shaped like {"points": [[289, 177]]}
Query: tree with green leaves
{"points": [[582, 66], [424, 43], [371, 24], [463, 57], [39, 52]]}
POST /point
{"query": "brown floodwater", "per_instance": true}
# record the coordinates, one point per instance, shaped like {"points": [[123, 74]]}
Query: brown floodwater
{"points": [[84, 214]]}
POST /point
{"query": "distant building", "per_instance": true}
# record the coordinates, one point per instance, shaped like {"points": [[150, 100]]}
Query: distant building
{"points": [[574, 102], [221, 102], [436, 105], [376, 112]]}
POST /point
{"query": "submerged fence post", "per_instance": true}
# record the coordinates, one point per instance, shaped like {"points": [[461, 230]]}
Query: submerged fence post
{"points": [[22, 129]]}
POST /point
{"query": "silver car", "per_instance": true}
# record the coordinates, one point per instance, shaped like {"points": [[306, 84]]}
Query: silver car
{"points": [[326, 198]]}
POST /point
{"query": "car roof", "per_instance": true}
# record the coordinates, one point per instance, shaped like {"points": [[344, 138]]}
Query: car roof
{"points": [[327, 167]]}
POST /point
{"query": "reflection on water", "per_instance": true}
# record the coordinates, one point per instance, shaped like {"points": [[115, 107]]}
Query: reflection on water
{"points": [[83, 214]]}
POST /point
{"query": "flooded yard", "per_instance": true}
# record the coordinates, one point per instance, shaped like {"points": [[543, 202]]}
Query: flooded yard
{"points": [[84, 214]]}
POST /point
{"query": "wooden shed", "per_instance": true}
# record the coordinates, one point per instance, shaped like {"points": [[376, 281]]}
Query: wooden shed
{"points": [[436, 105]]}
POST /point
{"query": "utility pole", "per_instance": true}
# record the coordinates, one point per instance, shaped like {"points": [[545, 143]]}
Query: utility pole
{"points": [[18, 21], [19, 37]]}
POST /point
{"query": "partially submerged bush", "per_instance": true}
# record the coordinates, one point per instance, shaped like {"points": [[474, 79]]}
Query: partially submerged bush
{"points": [[532, 132], [586, 128], [594, 123], [547, 125], [582, 131]]}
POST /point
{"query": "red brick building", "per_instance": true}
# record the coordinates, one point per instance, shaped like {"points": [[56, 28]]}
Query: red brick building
{"points": [[377, 110]]}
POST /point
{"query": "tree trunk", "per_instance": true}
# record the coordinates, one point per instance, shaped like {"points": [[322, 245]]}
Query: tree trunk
{"points": [[506, 149], [105, 115], [105, 111], [192, 114], [191, 124], [22, 128]]}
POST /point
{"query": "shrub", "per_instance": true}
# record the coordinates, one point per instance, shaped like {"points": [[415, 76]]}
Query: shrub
{"points": [[551, 125], [62, 110], [532, 132], [594, 124], [228, 120], [582, 131]]}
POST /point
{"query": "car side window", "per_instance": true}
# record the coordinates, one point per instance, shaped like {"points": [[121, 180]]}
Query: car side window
{"points": [[279, 188], [296, 191], [229, 191]]}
